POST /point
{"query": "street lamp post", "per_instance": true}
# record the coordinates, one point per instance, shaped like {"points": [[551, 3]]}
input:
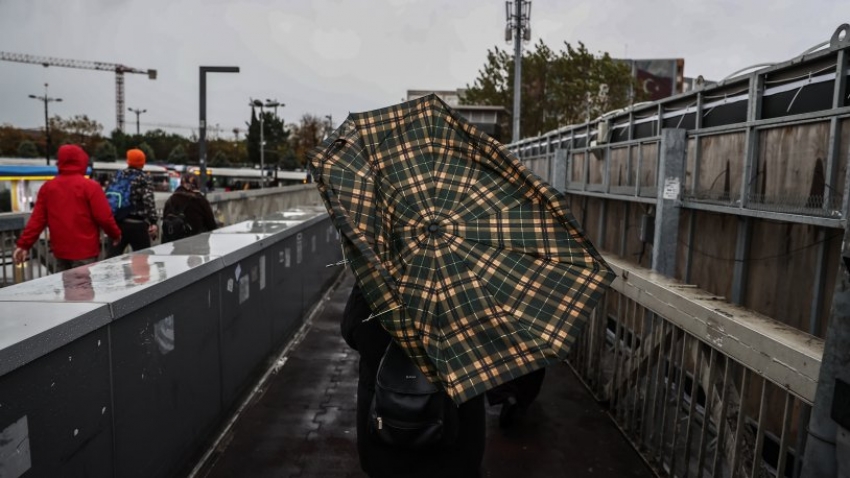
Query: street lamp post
{"points": [[519, 28], [259, 104], [329, 125], [268, 104], [46, 99], [138, 112], [202, 123]]}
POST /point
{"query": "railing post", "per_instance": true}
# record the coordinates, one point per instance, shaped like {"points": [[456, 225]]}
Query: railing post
{"points": [[559, 170], [820, 455], [671, 172]]}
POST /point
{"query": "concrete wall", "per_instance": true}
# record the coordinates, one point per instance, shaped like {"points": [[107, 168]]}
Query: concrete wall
{"points": [[235, 206]]}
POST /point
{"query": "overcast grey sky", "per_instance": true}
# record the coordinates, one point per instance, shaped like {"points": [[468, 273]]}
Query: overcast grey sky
{"points": [[333, 56]]}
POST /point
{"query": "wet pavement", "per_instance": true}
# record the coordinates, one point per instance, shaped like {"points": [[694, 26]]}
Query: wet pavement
{"points": [[302, 424]]}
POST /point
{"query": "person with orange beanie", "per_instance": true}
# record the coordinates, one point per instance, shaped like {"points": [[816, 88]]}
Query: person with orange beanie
{"points": [[139, 222], [75, 209]]}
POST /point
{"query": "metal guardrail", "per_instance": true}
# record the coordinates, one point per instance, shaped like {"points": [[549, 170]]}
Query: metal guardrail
{"points": [[231, 207], [701, 387], [41, 262]]}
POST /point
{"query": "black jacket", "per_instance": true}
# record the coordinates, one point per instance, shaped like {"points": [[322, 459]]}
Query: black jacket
{"points": [[194, 206], [378, 460]]}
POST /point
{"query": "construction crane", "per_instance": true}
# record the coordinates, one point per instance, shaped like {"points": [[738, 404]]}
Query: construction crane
{"points": [[86, 65]]}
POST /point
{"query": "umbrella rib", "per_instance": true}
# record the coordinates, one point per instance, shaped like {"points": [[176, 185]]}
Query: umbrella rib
{"points": [[430, 127]]}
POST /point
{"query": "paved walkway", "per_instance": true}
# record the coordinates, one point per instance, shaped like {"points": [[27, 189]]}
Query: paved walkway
{"points": [[303, 423]]}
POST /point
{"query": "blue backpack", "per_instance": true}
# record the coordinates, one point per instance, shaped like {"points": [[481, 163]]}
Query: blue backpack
{"points": [[118, 194]]}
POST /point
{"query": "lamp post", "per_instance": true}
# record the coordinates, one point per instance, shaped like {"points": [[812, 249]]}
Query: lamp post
{"points": [[274, 104], [46, 99], [329, 125], [268, 104], [518, 28], [138, 112], [259, 104], [202, 123]]}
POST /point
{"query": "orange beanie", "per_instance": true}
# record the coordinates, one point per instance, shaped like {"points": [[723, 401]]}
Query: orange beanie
{"points": [[136, 158]]}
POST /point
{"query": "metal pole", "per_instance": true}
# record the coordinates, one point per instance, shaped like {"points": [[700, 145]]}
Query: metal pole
{"points": [[517, 66], [138, 112], [820, 454], [202, 132], [46, 129], [262, 151], [202, 122]]}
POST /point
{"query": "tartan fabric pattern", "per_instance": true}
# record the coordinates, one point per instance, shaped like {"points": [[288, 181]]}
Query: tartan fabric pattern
{"points": [[470, 261]]}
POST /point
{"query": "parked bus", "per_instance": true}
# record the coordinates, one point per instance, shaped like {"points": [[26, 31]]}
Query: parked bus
{"points": [[103, 172], [236, 179], [21, 178], [20, 182]]}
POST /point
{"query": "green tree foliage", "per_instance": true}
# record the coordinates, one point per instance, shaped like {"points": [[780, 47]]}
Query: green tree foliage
{"points": [[27, 149], [10, 139], [234, 152], [119, 140], [306, 136], [150, 156], [558, 88], [76, 130], [275, 135], [177, 155], [220, 159], [105, 151], [161, 142]]}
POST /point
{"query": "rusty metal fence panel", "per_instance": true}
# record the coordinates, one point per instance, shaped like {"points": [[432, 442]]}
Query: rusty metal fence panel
{"points": [[700, 387]]}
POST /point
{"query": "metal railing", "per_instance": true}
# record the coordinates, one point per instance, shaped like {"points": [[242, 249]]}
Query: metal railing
{"points": [[40, 263], [229, 207], [700, 387]]}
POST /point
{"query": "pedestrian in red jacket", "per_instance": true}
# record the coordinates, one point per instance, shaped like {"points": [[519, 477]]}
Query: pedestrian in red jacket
{"points": [[74, 208]]}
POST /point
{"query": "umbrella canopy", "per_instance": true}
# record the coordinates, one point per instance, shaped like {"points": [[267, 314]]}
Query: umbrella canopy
{"points": [[470, 261]]}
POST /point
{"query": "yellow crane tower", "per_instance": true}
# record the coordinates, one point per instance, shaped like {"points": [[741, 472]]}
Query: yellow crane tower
{"points": [[86, 65]]}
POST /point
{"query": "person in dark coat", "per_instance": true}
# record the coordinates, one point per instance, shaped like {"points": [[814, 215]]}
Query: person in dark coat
{"points": [[194, 207], [461, 460], [516, 396]]}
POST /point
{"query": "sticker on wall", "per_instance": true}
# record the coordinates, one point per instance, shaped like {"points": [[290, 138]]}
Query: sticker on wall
{"points": [[671, 188], [15, 449], [230, 285], [287, 262], [255, 274], [299, 247], [238, 271], [244, 289], [313, 243], [262, 272], [328, 234], [163, 334]]}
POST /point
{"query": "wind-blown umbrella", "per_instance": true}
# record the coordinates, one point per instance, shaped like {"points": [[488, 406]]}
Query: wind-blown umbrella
{"points": [[470, 261]]}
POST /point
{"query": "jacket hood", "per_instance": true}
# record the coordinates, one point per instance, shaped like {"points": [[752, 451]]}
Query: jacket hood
{"points": [[71, 159]]}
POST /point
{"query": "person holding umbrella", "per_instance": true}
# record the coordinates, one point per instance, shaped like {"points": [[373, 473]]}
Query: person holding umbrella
{"points": [[461, 458], [465, 259]]}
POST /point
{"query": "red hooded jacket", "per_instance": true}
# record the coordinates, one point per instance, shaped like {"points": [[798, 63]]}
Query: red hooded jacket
{"points": [[73, 207]]}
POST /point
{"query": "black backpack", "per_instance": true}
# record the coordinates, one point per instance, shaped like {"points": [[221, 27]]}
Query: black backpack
{"points": [[175, 226], [407, 410]]}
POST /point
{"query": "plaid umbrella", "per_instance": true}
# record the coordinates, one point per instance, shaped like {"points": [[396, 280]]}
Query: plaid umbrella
{"points": [[470, 261]]}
